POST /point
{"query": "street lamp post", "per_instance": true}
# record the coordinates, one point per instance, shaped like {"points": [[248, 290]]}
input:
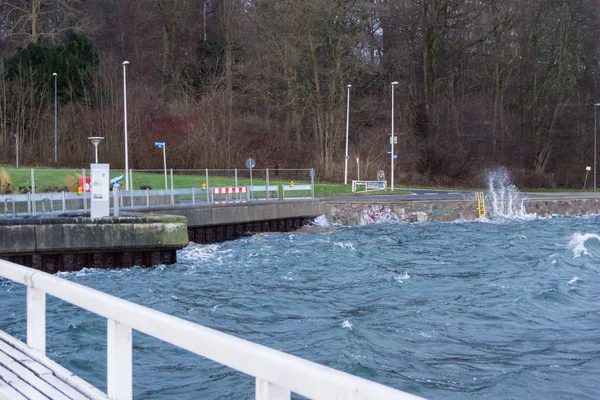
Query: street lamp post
{"points": [[125, 63], [96, 141], [595, 134], [163, 146], [55, 123], [392, 137], [347, 127]]}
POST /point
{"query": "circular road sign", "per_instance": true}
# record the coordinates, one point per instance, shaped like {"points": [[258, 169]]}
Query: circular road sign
{"points": [[380, 175], [250, 163]]}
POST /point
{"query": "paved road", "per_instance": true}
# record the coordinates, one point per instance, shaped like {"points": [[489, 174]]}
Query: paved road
{"points": [[433, 194]]}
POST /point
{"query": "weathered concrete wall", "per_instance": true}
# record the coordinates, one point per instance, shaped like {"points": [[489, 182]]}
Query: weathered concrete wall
{"points": [[372, 212], [68, 244], [56, 234], [223, 214], [229, 221]]}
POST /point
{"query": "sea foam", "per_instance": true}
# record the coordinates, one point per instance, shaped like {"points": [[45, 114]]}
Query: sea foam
{"points": [[577, 243]]}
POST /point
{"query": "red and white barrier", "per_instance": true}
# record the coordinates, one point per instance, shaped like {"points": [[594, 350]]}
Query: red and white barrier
{"points": [[229, 192]]}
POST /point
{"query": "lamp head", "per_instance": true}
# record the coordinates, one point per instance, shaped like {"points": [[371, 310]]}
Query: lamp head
{"points": [[54, 74], [349, 86], [597, 104], [588, 168], [125, 62], [394, 83], [96, 140]]}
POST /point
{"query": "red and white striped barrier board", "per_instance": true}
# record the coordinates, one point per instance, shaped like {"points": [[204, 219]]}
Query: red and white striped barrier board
{"points": [[226, 190]]}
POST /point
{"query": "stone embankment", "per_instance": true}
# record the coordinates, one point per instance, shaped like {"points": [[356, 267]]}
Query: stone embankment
{"points": [[362, 213]]}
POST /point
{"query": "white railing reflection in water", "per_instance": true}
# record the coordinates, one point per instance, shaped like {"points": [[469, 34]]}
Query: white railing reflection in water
{"points": [[277, 374]]}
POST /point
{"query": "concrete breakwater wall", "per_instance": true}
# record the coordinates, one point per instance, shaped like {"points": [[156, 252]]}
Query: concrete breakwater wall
{"points": [[72, 243], [230, 221], [384, 211]]}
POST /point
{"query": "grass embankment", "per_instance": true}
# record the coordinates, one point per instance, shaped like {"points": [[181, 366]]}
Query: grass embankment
{"points": [[68, 180]]}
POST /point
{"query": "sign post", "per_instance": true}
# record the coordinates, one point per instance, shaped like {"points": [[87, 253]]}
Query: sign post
{"points": [[161, 145], [100, 204], [250, 163], [587, 171]]}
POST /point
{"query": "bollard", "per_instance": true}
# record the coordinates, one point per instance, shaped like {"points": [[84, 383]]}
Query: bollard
{"points": [[116, 200]]}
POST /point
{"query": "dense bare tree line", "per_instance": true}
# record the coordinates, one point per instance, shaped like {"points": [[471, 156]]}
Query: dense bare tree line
{"points": [[481, 84]]}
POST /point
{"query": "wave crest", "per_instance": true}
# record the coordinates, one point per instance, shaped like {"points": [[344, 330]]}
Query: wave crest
{"points": [[577, 243]]}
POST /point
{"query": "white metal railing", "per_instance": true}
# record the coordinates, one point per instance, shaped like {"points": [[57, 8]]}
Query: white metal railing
{"points": [[369, 186], [277, 374], [15, 205], [296, 188]]}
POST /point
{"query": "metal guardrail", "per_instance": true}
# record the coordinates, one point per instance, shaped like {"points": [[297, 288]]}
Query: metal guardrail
{"points": [[47, 204], [277, 374]]}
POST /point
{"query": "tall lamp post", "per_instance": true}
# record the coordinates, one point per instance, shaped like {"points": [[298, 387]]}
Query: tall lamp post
{"points": [[125, 63], [55, 123], [595, 134], [392, 137], [347, 127]]}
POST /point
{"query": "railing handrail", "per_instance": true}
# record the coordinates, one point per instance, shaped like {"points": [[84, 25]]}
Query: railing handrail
{"points": [[277, 373]]}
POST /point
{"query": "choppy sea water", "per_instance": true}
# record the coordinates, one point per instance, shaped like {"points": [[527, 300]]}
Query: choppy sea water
{"points": [[500, 309]]}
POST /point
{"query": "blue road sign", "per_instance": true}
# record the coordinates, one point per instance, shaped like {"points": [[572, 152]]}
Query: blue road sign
{"points": [[159, 144]]}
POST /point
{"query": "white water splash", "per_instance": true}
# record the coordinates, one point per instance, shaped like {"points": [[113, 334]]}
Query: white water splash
{"points": [[347, 324], [577, 243], [345, 245], [401, 279], [575, 279], [506, 200], [321, 220], [195, 251]]}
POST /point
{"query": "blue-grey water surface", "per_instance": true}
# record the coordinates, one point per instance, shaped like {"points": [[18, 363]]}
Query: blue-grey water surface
{"points": [[502, 309]]}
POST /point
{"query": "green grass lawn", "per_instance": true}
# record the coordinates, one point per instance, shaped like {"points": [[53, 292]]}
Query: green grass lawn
{"points": [[53, 178]]}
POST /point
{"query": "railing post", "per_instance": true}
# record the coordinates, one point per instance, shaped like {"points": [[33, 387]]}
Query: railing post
{"points": [[267, 391], [267, 179], [193, 196], [207, 187], [36, 319], [312, 183], [172, 193], [120, 361], [236, 183], [84, 192], [33, 206], [63, 202], [147, 197]]}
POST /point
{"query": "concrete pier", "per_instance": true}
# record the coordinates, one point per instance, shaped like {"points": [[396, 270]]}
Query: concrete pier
{"points": [[73, 243], [230, 221]]}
